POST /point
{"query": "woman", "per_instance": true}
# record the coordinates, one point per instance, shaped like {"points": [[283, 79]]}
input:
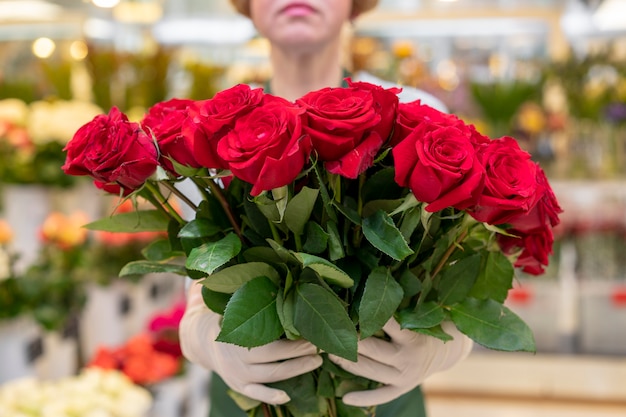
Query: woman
{"points": [[306, 46]]}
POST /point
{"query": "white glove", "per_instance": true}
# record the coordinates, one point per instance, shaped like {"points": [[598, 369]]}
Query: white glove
{"points": [[402, 363], [243, 370]]}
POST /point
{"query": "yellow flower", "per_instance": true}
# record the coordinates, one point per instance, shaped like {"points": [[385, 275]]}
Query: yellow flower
{"points": [[402, 49], [531, 118]]}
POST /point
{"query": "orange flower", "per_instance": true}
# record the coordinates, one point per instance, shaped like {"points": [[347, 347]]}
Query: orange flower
{"points": [[139, 360], [64, 231], [6, 234]]}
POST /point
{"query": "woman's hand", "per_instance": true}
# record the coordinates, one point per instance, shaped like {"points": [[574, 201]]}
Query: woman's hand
{"points": [[243, 370], [402, 363]]}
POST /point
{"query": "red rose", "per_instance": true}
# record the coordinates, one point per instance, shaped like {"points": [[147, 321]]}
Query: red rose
{"points": [[165, 120], [267, 147], [410, 115], [545, 212], [349, 125], [112, 150], [440, 166], [535, 245], [511, 187], [214, 118]]}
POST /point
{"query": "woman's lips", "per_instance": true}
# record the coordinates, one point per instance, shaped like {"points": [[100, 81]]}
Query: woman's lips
{"points": [[298, 9]]}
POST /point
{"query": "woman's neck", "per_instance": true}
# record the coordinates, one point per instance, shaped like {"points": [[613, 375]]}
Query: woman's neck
{"points": [[296, 74]]}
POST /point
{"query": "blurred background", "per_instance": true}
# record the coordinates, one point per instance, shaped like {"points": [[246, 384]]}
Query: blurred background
{"points": [[551, 73]]}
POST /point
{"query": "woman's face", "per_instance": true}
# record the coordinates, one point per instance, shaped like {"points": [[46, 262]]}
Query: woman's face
{"points": [[301, 24]]}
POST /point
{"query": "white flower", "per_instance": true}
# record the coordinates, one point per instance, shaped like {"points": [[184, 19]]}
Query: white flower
{"points": [[58, 120], [93, 393], [13, 110]]}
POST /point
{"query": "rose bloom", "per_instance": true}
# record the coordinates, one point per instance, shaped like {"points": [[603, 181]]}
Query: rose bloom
{"points": [[410, 115], [165, 120], [348, 126], [535, 245], [439, 162], [511, 187], [212, 119], [267, 147], [545, 211], [118, 154]]}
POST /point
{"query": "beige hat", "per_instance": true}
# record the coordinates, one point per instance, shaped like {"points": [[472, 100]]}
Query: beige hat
{"points": [[358, 6]]}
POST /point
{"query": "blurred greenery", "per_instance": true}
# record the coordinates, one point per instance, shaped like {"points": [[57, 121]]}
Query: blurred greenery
{"points": [[500, 102]]}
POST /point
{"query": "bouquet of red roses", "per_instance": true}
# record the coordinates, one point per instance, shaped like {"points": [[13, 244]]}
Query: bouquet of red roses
{"points": [[325, 217]]}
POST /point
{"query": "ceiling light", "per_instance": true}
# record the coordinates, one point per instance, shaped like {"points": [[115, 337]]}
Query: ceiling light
{"points": [[138, 12], [105, 4], [611, 15], [43, 47], [29, 10]]}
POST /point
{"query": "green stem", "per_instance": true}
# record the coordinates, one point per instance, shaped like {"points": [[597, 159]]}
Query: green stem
{"points": [[332, 407], [330, 212], [180, 195], [275, 234], [162, 203], [217, 192], [449, 253], [298, 241]]}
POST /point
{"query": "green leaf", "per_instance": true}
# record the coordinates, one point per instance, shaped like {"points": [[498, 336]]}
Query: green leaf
{"points": [[211, 256], [492, 325], [160, 250], [335, 246], [250, 318], [383, 234], [349, 213], [495, 280], [243, 402], [435, 331], [280, 196], [316, 238], [410, 220], [326, 269], [199, 228], [381, 185], [268, 207], [380, 299], [229, 280], [408, 203], [321, 318], [325, 385], [299, 209], [284, 253], [388, 206], [216, 301], [149, 267], [137, 221], [186, 170], [458, 279], [285, 306], [425, 316], [303, 393], [262, 254], [410, 283]]}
